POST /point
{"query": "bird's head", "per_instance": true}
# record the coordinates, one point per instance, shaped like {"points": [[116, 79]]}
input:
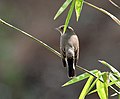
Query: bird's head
{"points": [[61, 29]]}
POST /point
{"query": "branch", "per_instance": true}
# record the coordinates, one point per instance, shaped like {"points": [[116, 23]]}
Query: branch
{"points": [[105, 12], [32, 37], [114, 4], [48, 47]]}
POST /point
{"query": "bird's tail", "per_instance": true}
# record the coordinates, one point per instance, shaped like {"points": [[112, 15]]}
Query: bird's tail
{"points": [[71, 68]]}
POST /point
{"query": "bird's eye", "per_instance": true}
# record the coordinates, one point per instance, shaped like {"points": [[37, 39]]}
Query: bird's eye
{"points": [[62, 28]]}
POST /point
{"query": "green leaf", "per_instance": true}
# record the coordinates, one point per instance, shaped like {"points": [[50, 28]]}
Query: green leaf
{"points": [[86, 87], [69, 15], [79, 78], [114, 79], [113, 82], [92, 92], [101, 88], [115, 71], [104, 79], [106, 82], [93, 86], [78, 8], [62, 8]]}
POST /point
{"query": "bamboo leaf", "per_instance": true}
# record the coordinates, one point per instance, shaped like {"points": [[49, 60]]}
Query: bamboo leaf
{"points": [[86, 87], [106, 82], [69, 15], [101, 89], [78, 8], [114, 79], [92, 92], [92, 87], [104, 79], [115, 71], [113, 82], [79, 78], [62, 8]]}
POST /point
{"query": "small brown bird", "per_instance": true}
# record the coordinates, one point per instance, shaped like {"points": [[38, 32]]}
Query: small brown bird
{"points": [[69, 49]]}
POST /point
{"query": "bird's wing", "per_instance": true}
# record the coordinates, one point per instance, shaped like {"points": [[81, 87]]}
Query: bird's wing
{"points": [[63, 56], [76, 56], [76, 48]]}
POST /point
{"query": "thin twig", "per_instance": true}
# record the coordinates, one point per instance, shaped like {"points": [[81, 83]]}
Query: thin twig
{"points": [[114, 4], [48, 47], [105, 12], [79, 67], [32, 37]]}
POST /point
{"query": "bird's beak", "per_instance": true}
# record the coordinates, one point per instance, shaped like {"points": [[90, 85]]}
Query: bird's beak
{"points": [[57, 29]]}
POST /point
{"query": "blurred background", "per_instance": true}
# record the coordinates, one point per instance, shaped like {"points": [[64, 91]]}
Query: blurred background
{"points": [[30, 71]]}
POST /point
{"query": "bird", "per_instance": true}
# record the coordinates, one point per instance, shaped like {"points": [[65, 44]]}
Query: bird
{"points": [[69, 49]]}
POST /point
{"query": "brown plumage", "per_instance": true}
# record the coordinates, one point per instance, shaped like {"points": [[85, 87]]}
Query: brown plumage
{"points": [[69, 49]]}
